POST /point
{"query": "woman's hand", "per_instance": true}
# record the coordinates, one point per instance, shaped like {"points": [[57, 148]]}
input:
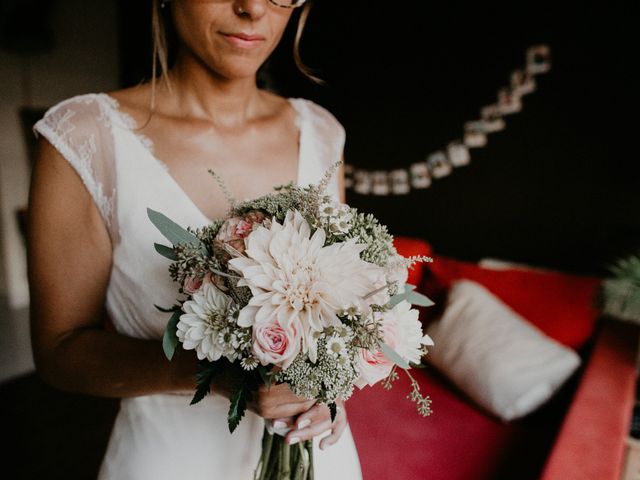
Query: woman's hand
{"points": [[315, 421], [278, 401], [305, 418]]}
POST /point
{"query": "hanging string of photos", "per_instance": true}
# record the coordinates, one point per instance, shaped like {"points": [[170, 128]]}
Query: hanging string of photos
{"points": [[457, 153]]}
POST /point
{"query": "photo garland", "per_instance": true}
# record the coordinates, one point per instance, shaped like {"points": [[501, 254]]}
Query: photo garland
{"points": [[457, 153]]}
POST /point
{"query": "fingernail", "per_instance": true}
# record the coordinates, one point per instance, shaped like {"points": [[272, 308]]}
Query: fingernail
{"points": [[293, 440], [279, 424], [304, 423]]}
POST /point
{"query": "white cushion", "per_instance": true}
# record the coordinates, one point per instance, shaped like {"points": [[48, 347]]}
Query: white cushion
{"points": [[496, 357]]}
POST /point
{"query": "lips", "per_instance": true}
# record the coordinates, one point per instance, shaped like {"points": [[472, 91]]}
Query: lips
{"points": [[244, 40]]}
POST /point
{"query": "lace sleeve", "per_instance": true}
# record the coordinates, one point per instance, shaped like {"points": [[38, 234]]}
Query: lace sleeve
{"points": [[80, 129]]}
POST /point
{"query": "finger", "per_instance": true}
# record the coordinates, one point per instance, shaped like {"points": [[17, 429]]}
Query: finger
{"points": [[308, 433], [312, 415], [338, 429], [283, 422], [288, 409]]}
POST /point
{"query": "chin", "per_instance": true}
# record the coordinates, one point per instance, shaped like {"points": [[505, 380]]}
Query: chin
{"points": [[237, 70]]}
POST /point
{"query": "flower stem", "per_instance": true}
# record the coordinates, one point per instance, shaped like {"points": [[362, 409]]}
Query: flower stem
{"points": [[285, 458], [309, 447], [267, 442], [280, 461]]}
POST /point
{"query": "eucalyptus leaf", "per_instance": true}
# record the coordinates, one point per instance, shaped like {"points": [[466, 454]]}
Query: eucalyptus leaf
{"points": [[391, 354], [396, 299], [172, 231], [170, 339], [416, 298], [411, 296], [165, 251]]}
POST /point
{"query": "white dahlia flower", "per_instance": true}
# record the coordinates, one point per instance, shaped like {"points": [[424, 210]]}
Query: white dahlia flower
{"points": [[294, 278], [208, 324], [402, 331]]}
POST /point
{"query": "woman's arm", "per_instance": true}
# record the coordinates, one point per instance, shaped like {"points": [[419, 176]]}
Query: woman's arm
{"points": [[69, 253], [69, 259]]}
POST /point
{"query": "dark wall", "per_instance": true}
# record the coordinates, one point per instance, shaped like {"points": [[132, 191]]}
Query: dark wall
{"points": [[558, 187]]}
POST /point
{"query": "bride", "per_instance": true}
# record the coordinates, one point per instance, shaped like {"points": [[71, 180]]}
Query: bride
{"points": [[103, 159]]}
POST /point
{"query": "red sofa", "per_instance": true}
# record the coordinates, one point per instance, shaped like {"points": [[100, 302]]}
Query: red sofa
{"points": [[577, 435]]}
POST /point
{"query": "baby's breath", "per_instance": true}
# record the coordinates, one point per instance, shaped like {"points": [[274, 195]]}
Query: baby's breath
{"points": [[333, 374]]}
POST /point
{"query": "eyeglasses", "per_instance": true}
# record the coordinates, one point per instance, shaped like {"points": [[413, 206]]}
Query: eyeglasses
{"points": [[288, 3]]}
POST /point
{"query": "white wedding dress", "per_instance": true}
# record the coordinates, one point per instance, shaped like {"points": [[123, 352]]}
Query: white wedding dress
{"points": [[159, 437]]}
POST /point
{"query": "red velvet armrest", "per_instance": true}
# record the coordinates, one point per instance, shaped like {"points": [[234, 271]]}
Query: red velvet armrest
{"points": [[591, 441]]}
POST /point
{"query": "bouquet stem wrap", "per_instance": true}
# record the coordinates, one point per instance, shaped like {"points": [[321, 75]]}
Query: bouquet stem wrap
{"points": [[281, 461]]}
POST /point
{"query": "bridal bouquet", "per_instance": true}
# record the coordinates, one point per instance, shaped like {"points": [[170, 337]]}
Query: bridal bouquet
{"points": [[293, 287]]}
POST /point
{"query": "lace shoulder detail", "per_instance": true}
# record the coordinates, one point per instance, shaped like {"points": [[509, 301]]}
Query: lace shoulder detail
{"points": [[80, 128]]}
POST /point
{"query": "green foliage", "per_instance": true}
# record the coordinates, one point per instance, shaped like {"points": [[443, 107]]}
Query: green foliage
{"points": [[619, 296], [333, 410], [411, 296], [172, 231], [627, 268], [204, 376], [170, 339], [238, 406], [165, 251], [391, 354]]}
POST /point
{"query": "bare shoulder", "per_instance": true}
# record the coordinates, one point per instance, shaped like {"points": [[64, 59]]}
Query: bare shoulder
{"points": [[276, 107], [134, 101]]}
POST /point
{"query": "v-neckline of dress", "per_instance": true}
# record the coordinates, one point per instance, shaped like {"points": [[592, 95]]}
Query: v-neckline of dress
{"points": [[147, 145]]}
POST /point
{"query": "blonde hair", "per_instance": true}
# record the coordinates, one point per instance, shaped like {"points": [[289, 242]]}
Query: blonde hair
{"points": [[161, 48]]}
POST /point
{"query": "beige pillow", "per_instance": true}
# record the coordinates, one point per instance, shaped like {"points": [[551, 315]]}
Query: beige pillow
{"points": [[496, 357]]}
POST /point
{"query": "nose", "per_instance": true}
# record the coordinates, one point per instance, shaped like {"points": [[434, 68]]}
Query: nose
{"points": [[252, 9]]}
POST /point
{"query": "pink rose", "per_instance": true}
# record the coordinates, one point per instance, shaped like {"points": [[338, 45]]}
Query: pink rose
{"points": [[193, 284], [273, 344], [236, 229], [375, 366]]}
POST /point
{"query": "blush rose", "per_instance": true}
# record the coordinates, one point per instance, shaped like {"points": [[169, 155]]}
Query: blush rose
{"points": [[273, 344]]}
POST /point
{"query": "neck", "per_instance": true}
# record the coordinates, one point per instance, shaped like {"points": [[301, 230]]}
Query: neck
{"points": [[198, 92]]}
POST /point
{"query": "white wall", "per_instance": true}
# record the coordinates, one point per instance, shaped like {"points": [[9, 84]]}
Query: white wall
{"points": [[85, 59]]}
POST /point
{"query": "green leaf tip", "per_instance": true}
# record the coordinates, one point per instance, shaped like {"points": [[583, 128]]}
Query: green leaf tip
{"points": [[170, 339], [172, 231], [392, 355], [237, 408]]}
